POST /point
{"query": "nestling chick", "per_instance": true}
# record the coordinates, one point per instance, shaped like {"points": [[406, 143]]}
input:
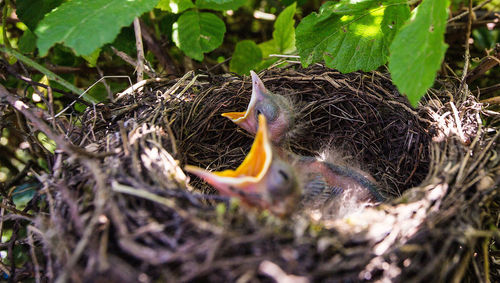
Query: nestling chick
{"points": [[276, 108], [262, 180], [282, 182]]}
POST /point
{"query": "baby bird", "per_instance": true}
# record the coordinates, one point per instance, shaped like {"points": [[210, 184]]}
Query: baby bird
{"points": [[282, 182], [276, 108], [263, 179]]}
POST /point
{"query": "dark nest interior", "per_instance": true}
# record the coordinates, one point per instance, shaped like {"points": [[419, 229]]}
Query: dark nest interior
{"points": [[117, 205]]}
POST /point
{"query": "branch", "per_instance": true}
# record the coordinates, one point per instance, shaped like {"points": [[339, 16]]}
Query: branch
{"points": [[11, 71], [46, 72], [486, 64], [155, 48], [140, 50], [467, 12], [34, 115]]}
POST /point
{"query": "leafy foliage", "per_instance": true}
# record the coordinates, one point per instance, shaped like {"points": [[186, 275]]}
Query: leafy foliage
{"points": [[247, 55], [32, 11], [87, 25], [27, 42], [345, 34], [219, 5], [197, 33], [284, 30], [418, 50], [351, 36], [175, 6]]}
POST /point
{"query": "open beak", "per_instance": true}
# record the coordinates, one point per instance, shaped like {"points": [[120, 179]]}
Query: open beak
{"points": [[246, 119], [248, 180]]}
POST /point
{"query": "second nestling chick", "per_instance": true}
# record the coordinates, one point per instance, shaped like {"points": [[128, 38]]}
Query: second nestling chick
{"points": [[282, 182], [277, 109]]}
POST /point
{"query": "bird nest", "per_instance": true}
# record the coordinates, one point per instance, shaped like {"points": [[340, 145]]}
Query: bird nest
{"points": [[121, 208]]}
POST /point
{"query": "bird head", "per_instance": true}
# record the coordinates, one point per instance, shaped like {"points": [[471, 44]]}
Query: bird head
{"points": [[275, 108], [263, 180]]}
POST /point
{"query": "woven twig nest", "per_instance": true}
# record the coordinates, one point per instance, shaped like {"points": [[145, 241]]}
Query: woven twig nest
{"points": [[128, 212]]}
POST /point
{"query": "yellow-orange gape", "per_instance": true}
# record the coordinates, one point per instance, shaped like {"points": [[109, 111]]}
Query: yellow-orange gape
{"points": [[282, 182], [262, 180], [276, 108]]}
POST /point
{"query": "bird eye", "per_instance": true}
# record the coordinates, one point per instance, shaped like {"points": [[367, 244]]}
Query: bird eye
{"points": [[283, 174], [268, 109], [281, 181]]}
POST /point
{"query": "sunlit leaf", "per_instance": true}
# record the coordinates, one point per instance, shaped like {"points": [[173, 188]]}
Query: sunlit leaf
{"points": [[49, 144], [418, 49], [219, 5], [284, 30], [247, 55], [86, 25], [351, 35], [198, 33], [175, 6]]}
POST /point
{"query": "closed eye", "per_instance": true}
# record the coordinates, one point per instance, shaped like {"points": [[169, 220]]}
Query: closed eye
{"points": [[283, 174]]}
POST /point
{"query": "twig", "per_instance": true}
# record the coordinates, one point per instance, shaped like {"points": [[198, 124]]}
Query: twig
{"points": [[100, 200], [140, 50], [33, 256], [17, 178], [467, 12], [5, 14], [486, 260], [170, 135], [89, 88], [46, 72], [486, 64], [117, 187], [106, 85], [15, 210], [155, 48], [124, 136], [462, 266], [137, 86], [33, 115], [486, 90], [11, 71], [124, 56], [462, 91], [10, 251]]}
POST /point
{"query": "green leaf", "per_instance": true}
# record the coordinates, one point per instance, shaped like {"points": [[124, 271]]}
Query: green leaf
{"points": [[175, 6], [288, 2], [197, 33], [351, 36], [247, 55], [27, 42], [92, 58], [48, 143], [219, 5], [268, 47], [125, 41], [31, 12], [86, 25], [418, 49], [45, 71], [23, 194], [284, 30]]}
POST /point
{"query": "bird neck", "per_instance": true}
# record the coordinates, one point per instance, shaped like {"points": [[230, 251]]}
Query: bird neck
{"points": [[330, 172]]}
